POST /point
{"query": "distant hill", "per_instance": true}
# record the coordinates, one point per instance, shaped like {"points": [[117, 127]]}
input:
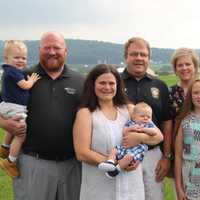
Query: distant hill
{"points": [[88, 52], [83, 52]]}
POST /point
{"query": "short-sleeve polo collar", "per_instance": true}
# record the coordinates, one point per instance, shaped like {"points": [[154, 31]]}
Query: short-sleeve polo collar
{"points": [[65, 73], [125, 75]]}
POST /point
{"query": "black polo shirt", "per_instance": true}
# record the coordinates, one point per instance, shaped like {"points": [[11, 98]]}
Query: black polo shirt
{"points": [[51, 112], [151, 91]]}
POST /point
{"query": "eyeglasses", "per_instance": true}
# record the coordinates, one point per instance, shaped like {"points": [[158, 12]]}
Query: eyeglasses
{"points": [[136, 54]]}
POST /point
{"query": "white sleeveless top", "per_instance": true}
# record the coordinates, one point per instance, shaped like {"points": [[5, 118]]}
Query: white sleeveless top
{"points": [[106, 134]]}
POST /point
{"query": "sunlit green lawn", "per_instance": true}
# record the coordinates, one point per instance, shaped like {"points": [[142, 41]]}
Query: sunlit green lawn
{"points": [[5, 182], [169, 79]]}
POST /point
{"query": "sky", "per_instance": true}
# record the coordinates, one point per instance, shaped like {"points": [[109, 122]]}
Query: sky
{"points": [[163, 23]]}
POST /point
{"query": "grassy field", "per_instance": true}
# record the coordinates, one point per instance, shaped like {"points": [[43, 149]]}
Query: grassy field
{"points": [[6, 184], [169, 79]]}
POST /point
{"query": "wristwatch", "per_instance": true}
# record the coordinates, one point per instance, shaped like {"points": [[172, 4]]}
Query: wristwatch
{"points": [[168, 156]]}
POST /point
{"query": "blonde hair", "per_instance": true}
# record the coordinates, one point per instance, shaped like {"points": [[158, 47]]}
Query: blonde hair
{"points": [[136, 40], [141, 106], [185, 52], [10, 45]]}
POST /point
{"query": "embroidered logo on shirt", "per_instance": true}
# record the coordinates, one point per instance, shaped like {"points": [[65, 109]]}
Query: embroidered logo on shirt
{"points": [[155, 92], [70, 90]]}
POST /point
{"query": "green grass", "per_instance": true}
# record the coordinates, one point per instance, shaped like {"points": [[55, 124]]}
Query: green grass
{"points": [[169, 79], [168, 191], [6, 183]]}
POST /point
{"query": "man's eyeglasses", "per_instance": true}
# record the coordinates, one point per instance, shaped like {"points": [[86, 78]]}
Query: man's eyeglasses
{"points": [[141, 54]]}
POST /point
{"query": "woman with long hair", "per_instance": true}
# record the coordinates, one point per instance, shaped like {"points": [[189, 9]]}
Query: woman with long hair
{"points": [[185, 63], [98, 128]]}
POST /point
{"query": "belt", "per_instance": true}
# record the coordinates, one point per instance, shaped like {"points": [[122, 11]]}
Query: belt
{"points": [[57, 158]]}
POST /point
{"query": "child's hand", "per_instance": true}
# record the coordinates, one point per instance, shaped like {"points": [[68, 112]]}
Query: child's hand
{"points": [[34, 77], [133, 165], [125, 161], [132, 128], [143, 130], [28, 84], [140, 129]]}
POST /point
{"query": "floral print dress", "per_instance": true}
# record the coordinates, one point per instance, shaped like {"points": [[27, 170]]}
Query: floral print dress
{"points": [[177, 98]]}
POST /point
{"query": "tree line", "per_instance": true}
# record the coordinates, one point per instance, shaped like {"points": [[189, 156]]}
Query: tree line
{"points": [[89, 52]]}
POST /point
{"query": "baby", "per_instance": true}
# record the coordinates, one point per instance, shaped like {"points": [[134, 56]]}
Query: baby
{"points": [[141, 121]]}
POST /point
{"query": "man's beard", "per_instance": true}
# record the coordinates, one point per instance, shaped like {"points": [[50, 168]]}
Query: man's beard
{"points": [[52, 66]]}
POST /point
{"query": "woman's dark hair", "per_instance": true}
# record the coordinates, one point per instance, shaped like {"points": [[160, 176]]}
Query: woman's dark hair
{"points": [[89, 98]]}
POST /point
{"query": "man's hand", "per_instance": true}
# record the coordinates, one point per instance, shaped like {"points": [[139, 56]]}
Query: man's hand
{"points": [[13, 125], [162, 169]]}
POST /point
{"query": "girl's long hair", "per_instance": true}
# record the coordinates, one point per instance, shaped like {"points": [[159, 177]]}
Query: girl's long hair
{"points": [[188, 105]]}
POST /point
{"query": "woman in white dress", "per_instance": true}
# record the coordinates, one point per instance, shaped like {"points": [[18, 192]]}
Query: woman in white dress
{"points": [[97, 129]]}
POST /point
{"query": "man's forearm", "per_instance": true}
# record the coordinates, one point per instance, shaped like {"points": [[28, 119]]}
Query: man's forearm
{"points": [[150, 131], [167, 143]]}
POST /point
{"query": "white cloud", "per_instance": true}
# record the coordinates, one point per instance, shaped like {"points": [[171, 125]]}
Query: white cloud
{"points": [[171, 23]]}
